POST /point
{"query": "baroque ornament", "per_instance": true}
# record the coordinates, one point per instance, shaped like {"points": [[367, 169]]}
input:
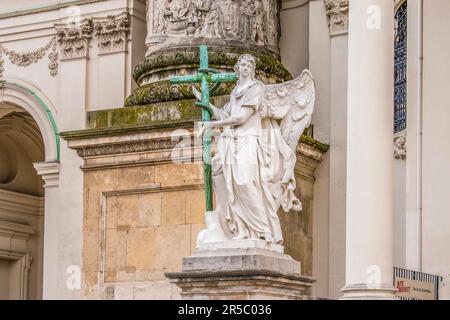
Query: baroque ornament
{"points": [[337, 14], [74, 40], [112, 33], [184, 57], [25, 59], [53, 57], [164, 91], [246, 21], [400, 146]]}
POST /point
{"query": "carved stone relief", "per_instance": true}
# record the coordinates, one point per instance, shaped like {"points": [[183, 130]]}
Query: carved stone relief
{"points": [[53, 57], [112, 33], [337, 14], [400, 146], [244, 20], [74, 41], [25, 59]]}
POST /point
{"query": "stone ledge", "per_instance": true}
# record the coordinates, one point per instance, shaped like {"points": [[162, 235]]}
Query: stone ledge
{"points": [[241, 285], [241, 259], [242, 245], [231, 275]]}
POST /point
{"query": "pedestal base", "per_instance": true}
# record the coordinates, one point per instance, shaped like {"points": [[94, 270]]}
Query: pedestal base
{"points": [[240, 274], [365, 292]]}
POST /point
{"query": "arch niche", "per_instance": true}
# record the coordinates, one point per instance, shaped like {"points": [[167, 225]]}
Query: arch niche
{"points": [[29, 142]]}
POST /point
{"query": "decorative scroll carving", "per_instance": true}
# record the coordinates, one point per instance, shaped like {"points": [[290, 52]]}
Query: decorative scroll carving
{"points": [[53, 57], [25, 59], [400, 146], [164, 91], [254, 20], [337, 13], [74, 41], [112, 33], [170, 58]]}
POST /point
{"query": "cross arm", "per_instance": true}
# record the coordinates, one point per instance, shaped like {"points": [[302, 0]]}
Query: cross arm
{"points": [[223, 77], [187, 79]]}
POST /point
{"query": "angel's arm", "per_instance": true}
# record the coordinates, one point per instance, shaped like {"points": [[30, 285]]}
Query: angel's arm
{"points": [[236, 120]]}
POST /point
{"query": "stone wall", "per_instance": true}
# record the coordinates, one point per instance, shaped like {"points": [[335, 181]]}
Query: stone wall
{"points": [[143, 210]]}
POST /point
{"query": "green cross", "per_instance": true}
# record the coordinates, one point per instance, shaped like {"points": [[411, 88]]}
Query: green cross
{"points": [[205, 76]]}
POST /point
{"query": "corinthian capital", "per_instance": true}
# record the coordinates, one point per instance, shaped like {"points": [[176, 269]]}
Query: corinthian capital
{"points": [[337, 14], [74, 40], [112, 33]]}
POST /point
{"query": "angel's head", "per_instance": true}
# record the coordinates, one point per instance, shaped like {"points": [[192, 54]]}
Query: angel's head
{"points": [[245, 66]]}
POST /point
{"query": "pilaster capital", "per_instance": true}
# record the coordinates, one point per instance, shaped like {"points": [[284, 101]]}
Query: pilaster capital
{"points": [[112, 33], [337, 14], [74, 39]]}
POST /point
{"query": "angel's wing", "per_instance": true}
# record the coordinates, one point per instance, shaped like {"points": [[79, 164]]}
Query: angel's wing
{"points": [[293, 102]]}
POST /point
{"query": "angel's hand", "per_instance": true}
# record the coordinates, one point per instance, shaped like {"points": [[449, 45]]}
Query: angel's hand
{"points": [[196, 93], [205, 126]]}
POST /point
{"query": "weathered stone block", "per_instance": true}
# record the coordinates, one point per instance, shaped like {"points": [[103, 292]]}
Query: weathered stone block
{"points": [[178, 174], [174, 207], [195, 206], [171, 244], [150, 209], [140, 248], [128, 211]]}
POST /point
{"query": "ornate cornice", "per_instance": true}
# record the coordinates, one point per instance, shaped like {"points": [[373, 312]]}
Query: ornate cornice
{"points": [[127, 147], [337, 14], [400, 146], [112, 33], [74, 41]]}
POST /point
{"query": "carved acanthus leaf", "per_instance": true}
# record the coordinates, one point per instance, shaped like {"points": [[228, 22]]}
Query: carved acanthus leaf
{"points": [[337, 14], [112, 33], [400, 146], [74, 40]]}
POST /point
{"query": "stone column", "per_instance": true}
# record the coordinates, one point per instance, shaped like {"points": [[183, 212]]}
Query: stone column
{"points": [[230, 28], [337, 14], [49, 171], [369, 249]]}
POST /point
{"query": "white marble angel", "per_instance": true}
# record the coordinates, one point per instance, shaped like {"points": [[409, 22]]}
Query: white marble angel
{"points": [[253, 168]]}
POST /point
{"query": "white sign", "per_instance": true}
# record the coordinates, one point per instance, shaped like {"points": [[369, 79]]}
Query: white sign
{"points": [[414, 289]]}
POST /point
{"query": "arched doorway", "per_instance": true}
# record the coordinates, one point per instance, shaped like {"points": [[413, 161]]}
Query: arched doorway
{"points": [[21, 205], [29, 180]]}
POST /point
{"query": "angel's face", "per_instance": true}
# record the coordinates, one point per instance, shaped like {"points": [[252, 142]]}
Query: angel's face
{"points": [[246, 68]]}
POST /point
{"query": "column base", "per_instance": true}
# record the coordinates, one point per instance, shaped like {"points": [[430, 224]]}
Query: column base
{"points": [[366, 292], [241, 274]]}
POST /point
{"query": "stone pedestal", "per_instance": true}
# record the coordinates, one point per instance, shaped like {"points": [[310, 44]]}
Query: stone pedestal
{"points": [[241, 270]]}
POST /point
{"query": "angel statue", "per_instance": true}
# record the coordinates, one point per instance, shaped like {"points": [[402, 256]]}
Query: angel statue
{"points": [[253, 168]]}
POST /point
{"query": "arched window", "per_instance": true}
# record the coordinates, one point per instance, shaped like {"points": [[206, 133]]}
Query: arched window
{"points": [[401, 19]]}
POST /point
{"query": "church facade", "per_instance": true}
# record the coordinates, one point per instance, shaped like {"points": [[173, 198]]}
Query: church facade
{"points": [[101, 173]]}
